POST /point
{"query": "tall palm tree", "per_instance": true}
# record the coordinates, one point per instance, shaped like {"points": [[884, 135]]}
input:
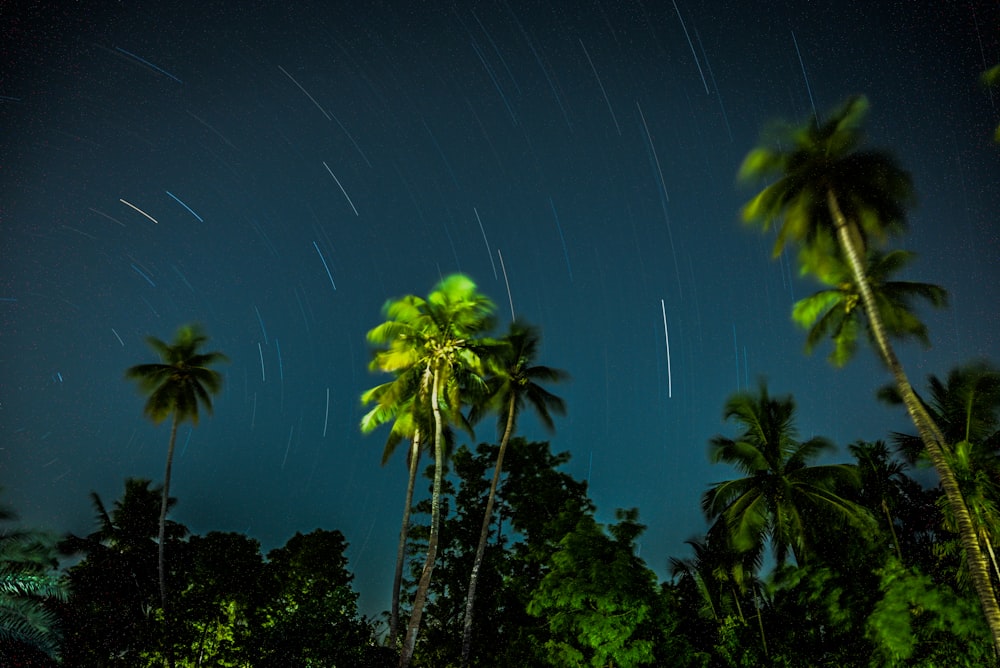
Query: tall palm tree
{"points": [[404, 427], [836, 312], [176, 386], [834, 200], [514, 382], [435, 345], [782, 495]]}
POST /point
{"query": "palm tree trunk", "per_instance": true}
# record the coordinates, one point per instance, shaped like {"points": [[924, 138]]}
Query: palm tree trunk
{"points": [[420, 598], [892, 529], [739, 608], [484, 533], [993, 556], [760, 622], [161, 536], [928, 430], [163, 509], [397, 577]]}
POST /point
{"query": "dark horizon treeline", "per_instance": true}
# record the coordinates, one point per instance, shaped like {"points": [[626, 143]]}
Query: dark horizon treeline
{"points": [[883, 588]]}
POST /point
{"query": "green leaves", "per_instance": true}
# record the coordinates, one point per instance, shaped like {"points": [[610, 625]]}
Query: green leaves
{"points": [[28, 582], [918, 622], [182, 381], [598, 599], [780, 492], [837, 313], [806, 162]]}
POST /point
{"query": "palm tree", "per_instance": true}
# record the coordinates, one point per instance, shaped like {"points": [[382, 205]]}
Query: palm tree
{"points": [[176, 386], [514, 380], [716, 572], [406, 425], [834, 200], [836, 312], [782, 495], [27, 579], [966, 407], [119, 564], [882, 482], [435, 346]]}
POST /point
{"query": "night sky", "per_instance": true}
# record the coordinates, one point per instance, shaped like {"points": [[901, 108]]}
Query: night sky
{"points": [[300, 163]]}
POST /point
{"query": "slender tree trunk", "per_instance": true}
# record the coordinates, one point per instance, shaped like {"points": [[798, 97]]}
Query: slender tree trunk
{"points": [[928, 430], [161, 537], [484, 533], [739, 608], [892, 528], [760, 622], [420, 598], [397, 577]]}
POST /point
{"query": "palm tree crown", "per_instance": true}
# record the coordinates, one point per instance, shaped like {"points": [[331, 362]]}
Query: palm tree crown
{"points": [[513, 381], [814, 160], [837, 312], [781, 494], [436, 348], [181, 381]]}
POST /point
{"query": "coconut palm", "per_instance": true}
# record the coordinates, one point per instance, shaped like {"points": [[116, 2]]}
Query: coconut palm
{"points": [[883, 482], [406, 426], [435, 346], [967, 408], [514, 383], [782, 495], [27, 580], [176, 386], [836, 313], [835, 200]]}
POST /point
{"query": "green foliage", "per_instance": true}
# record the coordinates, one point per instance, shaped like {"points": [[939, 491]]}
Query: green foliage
{"points": [[182, 380], [837, 313], [781, 491], [598, 598], [229, 606], [311, 618], [28, 583], [110, 619], [805, 163], [920, 623], [219, 609]]}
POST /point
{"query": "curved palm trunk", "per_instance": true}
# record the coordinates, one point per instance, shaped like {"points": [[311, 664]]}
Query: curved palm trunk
{"points": [[928, 430], [420, 598], [161, 536], [484, 533], [397, 577]]}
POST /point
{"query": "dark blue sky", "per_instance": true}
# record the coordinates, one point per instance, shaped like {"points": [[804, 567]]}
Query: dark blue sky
{"points": [[596, 143]]}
